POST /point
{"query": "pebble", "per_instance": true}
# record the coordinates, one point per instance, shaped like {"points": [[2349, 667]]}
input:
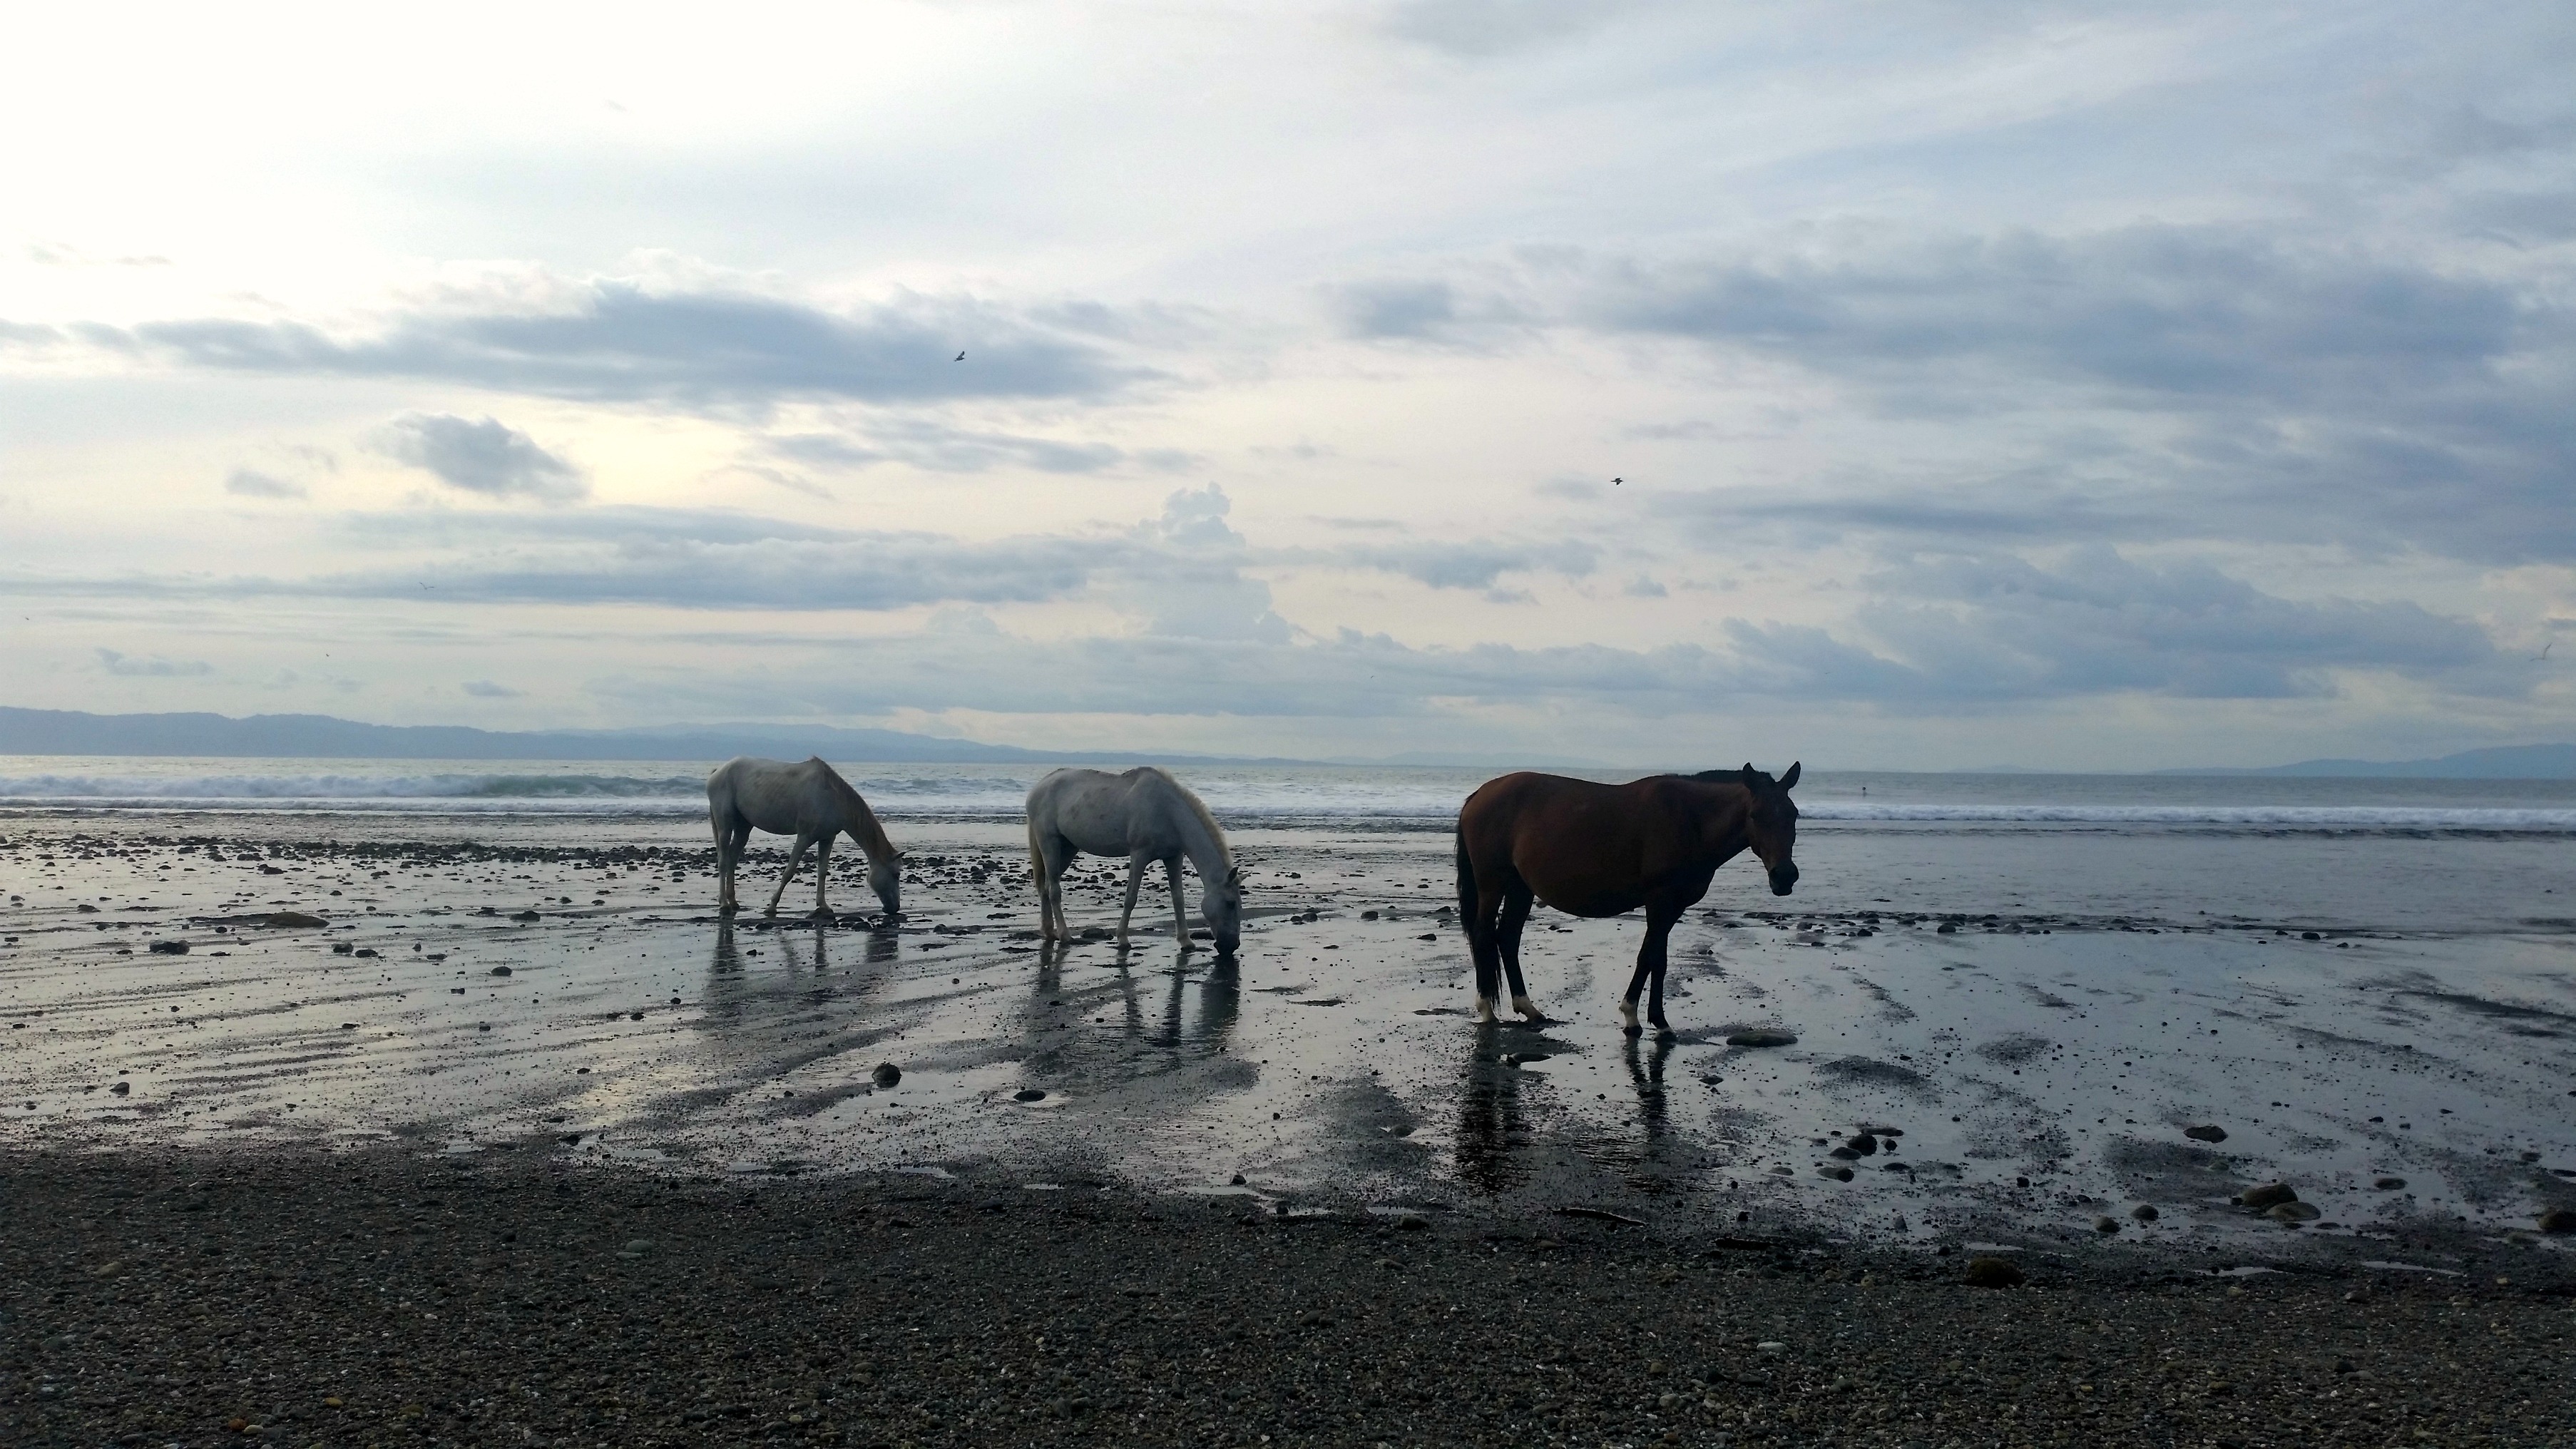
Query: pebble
{"points": [[1993, 1273], [2389, 1184], [636, 1248], [169, 948], [2270, 1194], [2144, 1212], [886, 1074], [1024, 1094], [2293, 1212], [1761, 1038], [500, 970], [2206, 1132], [2558, 1220], [1838, 1174], [2106, 1224]]}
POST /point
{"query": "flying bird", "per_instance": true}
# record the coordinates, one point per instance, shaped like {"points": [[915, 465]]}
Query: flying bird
{"points": [[1615, 482], [2544, 651], [961, 357]]}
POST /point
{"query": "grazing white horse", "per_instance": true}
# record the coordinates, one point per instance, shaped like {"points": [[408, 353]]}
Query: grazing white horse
{"points": [[809, 801], [1146, 816]]}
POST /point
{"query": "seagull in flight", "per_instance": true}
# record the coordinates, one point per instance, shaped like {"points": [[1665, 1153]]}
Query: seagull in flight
{"points": [[1615, 482], [2544, 651], [961, 357]]}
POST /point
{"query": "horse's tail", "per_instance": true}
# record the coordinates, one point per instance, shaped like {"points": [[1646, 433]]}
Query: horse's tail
{"points": [[1037, 857], [720, 802], [1466, 883]]}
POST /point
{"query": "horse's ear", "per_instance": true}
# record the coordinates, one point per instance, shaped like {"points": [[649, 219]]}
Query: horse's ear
{"points": [[1790, 778], [1752, 776]]}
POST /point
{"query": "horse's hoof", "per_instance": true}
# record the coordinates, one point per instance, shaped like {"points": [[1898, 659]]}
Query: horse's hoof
{"points": [[1632, 1031], [1484, 1012]]}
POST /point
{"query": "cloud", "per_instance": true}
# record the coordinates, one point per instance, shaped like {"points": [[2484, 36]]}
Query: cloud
{"points": [[1409, 309], [153, 668], [245, 483], [940, 448], [486, 689], [1470, 564], [2144, 314], [2152, 382], [481, 455], [618, 341], [1997, 627], [1477, 29]]}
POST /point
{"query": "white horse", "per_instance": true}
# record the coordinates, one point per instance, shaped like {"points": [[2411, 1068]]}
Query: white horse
{"points": [[808, 801], [1146, 816]]}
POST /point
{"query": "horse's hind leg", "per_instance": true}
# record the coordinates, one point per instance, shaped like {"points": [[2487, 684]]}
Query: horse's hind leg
{"points": [[1507, 937], [1135, 882], [1180, 909], [726, 854], [1484, 942], [795, 858], [822, 875], [1048, 857]]}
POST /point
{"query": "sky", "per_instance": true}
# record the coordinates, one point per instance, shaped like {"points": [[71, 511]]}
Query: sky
{"points": [[1907, 385]]}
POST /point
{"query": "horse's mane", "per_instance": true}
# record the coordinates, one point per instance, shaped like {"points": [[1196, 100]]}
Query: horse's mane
{"points": [[1198, 808]]}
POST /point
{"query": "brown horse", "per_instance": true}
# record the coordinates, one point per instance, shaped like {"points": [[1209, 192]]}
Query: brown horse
{"points": [[1605, 850]]}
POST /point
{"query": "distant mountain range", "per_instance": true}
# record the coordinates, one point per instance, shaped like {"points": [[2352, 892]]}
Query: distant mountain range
{"points": [[2504, 762], [319, 736]]}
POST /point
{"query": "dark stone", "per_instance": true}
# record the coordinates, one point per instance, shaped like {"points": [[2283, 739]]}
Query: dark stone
{"points": [[2558, 1220], [1992, 1273], [2270, 1194], [2388, 1184], [2106, 1224], [2206, 1133], [1024, 1094], [2144, 1212], [169, 948], [500, 970], [886, 1074], [1761, 1037]]}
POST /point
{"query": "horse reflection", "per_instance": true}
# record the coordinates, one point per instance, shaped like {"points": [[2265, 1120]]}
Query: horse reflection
{"points": [[1492, 1127], [1647, 1076]]}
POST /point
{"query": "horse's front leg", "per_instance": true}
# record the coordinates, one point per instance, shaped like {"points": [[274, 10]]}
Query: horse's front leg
{"points": [[1135, 882], [1651, 957], [795, 858], [1180, 912], [822, 876]]}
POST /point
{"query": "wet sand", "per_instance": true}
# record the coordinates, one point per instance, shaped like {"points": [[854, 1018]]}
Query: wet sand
{"points": [[2031, 1077]]}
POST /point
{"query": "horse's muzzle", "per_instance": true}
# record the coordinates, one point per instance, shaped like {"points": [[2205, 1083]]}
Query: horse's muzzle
{"points": [[1784, 880], [1226, 941]]}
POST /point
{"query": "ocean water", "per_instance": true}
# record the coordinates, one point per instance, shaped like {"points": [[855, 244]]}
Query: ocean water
{"points": [[2391, 855], [1361, 797]]}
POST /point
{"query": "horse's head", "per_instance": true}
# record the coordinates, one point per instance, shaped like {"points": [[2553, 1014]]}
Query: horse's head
{"points": [[1771, 826], [1222, 904], [885, 877]]}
